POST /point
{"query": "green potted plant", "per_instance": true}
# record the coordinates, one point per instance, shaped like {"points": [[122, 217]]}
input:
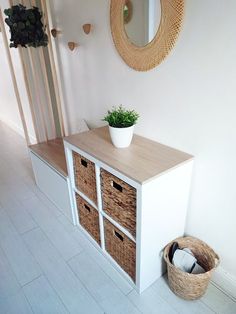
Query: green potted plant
{"points": [[26, 27], [121, 125]]}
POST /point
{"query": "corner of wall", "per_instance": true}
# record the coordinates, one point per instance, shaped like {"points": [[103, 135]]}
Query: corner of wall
{"points": [[18, 129]]}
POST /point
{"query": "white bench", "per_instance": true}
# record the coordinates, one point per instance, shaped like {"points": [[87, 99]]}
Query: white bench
{"points": [[50, 170]]}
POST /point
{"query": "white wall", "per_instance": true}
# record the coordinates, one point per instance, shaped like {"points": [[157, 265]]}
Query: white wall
{"points": [[8, 105], [188, 102]]}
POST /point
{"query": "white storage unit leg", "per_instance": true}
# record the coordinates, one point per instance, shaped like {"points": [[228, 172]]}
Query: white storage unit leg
{"points": [[132, 201]]}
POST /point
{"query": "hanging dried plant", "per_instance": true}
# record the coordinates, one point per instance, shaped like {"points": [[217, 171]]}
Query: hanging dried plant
{"points": [[26, 27]]}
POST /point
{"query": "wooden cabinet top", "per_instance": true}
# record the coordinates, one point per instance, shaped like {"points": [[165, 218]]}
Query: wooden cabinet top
{"points": [[143, 160]]}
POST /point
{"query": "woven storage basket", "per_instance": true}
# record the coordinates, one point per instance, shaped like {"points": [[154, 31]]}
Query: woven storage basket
{"points": [[119, 201], [121, 248], [85, 178], [88, 218], [191, 286]]}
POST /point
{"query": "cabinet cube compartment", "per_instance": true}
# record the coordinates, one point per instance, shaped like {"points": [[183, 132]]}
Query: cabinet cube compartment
{"points": [[85, 178], [89, 218], [119, 201], [121, 248]]}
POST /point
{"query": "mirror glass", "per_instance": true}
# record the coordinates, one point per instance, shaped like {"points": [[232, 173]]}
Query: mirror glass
{"points": [[141, 20]]}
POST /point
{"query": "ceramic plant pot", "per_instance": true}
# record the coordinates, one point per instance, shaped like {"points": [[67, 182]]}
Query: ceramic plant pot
{"points": [[121, 137]]}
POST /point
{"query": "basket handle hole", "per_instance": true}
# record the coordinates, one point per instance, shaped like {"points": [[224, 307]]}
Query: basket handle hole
{"points": [[87, 207], [84, 163], [119, 236], [116, 186]]}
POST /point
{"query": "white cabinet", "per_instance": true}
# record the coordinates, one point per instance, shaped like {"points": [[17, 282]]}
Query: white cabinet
{"points": [[130, 202]]}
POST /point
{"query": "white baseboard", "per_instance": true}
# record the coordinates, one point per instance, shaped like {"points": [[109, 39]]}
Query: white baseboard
{"points": [[225, 282], [18, 129]]}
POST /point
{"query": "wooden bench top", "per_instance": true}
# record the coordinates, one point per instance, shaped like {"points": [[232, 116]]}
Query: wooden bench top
{"points": [[53, 153]]}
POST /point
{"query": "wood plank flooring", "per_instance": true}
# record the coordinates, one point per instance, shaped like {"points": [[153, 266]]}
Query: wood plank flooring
{"points": [[48, 266]]}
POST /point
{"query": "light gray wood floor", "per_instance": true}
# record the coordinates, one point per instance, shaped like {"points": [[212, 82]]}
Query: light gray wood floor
{"points": [[48, 266]]}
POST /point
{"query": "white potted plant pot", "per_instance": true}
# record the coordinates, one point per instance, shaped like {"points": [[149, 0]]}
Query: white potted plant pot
{"points": [[121, 137], [121, 125]]}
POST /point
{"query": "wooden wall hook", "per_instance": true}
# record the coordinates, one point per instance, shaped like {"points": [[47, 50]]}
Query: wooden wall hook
{"points": [[55, 32], [72, 45], [87, 28]]}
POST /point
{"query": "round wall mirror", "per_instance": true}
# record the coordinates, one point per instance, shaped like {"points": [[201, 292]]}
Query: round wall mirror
{"points": [[145, 31], [141, 20]]}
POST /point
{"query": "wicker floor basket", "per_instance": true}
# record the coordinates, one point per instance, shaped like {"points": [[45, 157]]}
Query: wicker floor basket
{"points": [[191, 286], [121, 248], [89, 218], [85, 178], [119, 200]]}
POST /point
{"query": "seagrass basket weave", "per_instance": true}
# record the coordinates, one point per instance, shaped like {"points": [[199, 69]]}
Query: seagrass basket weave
{"points": [[88, 218], [191, 286], [85, 178], [121, 248], [119, 200]]}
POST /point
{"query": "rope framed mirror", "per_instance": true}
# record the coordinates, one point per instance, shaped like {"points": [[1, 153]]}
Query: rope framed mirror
{"points": [[150, 52]]}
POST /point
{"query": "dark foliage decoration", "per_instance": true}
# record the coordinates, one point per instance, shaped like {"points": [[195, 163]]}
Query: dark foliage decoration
{"points": [[26, 27]]}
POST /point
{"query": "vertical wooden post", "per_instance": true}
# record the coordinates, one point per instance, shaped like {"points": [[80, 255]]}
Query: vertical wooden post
{"points": [[30, 98], [36, 84], [54, 67], [47, 87], [29, 94], [38, 97], [20, 108], [46, 81]]}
